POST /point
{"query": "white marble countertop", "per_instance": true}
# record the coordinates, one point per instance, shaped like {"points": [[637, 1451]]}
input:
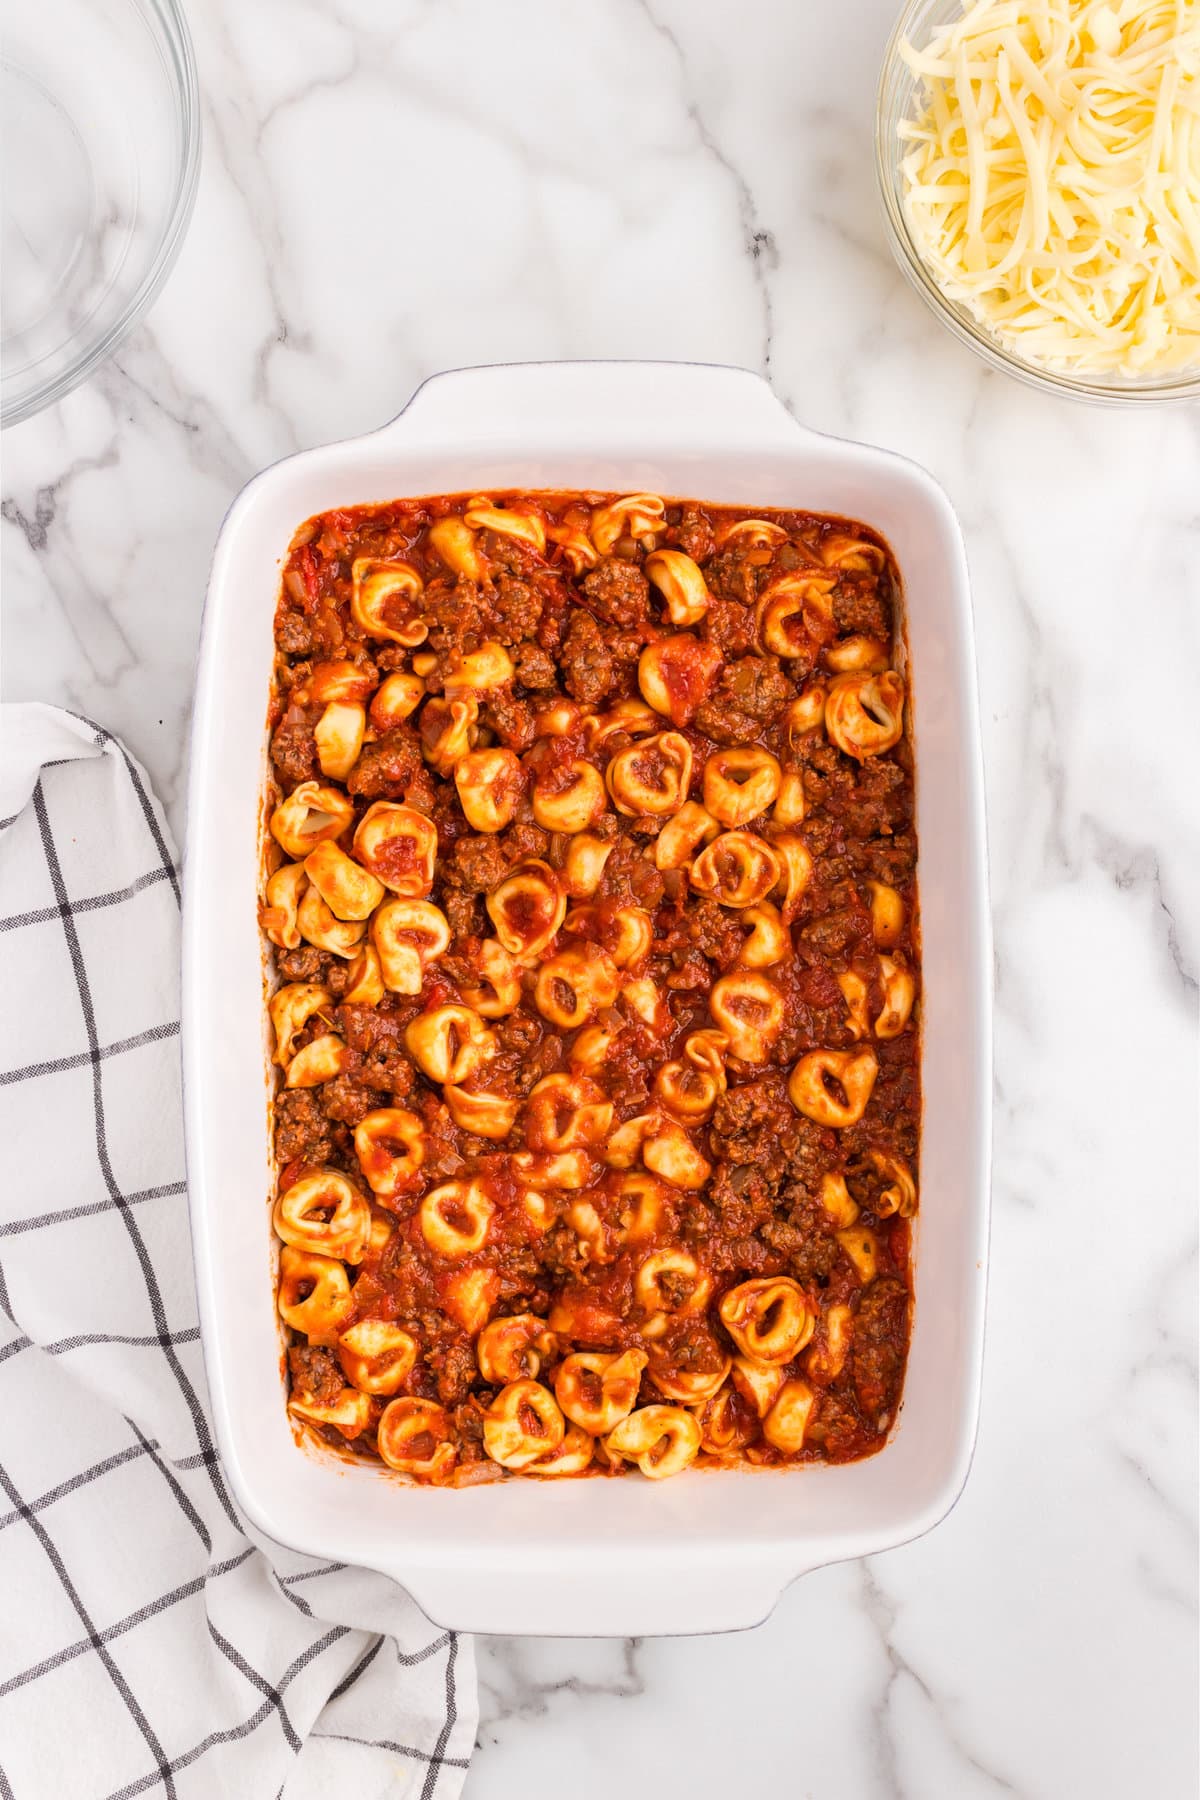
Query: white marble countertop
{"points": [[390, 190]]}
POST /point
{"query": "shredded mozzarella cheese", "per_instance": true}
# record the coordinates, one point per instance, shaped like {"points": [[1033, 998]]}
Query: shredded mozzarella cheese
{"points": [[1053, 180]]}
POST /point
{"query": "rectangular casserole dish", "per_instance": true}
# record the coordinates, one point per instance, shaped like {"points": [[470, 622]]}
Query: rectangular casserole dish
{"points": [[711, 1550]]}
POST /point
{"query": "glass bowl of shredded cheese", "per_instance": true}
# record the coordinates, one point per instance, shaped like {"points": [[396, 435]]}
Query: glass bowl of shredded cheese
{"points": [[1039, 162]]}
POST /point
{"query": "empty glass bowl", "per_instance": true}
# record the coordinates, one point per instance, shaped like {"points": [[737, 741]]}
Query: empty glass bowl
{"points": [[100, 141]]}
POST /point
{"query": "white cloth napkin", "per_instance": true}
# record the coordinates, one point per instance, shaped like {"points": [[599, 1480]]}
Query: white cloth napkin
{"points": [[150, 1642]]}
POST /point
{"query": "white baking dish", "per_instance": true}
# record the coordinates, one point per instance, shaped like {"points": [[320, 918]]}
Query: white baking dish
{"points": [[707, 1551]]}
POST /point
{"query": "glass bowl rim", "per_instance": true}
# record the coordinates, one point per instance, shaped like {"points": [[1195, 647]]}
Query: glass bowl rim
{"points": [[185, 88], [1179, 386]]}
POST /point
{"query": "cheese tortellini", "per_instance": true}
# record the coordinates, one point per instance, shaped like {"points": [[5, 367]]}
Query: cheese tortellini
{"points": [[592, 936]]}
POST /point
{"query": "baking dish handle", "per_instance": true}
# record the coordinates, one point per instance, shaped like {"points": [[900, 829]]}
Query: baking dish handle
{"points": [[599, 404], [659, 1598]]}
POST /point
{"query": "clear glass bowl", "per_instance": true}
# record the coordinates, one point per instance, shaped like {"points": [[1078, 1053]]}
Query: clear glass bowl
{"points": [[100, 140], [897, 87]]}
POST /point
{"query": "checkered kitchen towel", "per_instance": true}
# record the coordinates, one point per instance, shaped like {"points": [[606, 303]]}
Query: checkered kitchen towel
{"points": [[150, 1643]]}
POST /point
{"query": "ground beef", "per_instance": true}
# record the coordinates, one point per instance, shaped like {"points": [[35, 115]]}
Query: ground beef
{"points": [[755, 1125], [748, 693], [477, 866], [882, 801], [618, 591], [457, 615], [393, 1075], [838, 1429], [859, 607], [716, 932], [730, 577], [520, 1031], [337, 977], [523, 840], [385, 769], [627, 1076], [694, 534], [812, 1151], [369, 1029], [817, 986], [877, 1347], [749, 1116], [316, 1374], [838, 931], [294, 633], [512, 610], [301, 1131], [346, 1100], [534, 668], [306, 963], [293, 675], [520, 1274], [730, 626], [589, 667], [629, 875], [454, 1368], [294, 753], [811, 1248], [463, 912], [512, 720], [468, 1424], [892, 860], [743, 1200]]}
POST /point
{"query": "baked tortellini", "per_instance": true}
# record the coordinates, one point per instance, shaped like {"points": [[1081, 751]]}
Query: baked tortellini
{"points": [[377, 1355], [348, 890], [523, 521], [681, 583], [389, 1144], [408, 937], [767, 1319], [576, 984], [569, 797], [652, 777], [522, 1425], [489, 783], [739, 784], [795, 615], [527, 911], [833, 1087], [567, 1112], [324, 1213], [456, 547], [338, 735], [320, 926], [748, 1010], [417, 1437], [676, 673], [637, 516], [384, 601], [454, 1218], [592, 940], [596, 1390], [310, 814], [661, 1440], [398, 845], [314, 1293], [864, 713], [513, 1348], [738, 869], [449, 1043]]}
